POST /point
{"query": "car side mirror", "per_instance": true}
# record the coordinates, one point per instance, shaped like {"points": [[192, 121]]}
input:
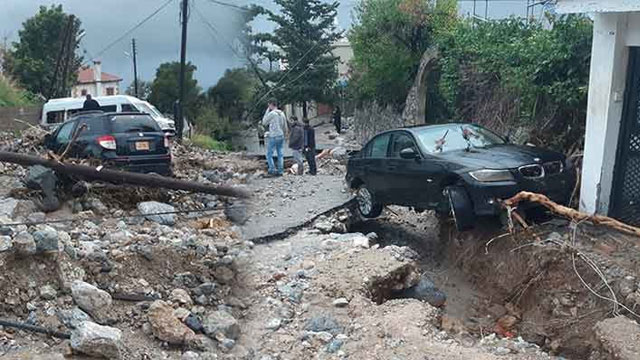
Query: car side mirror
{"points": [[408, 153]]}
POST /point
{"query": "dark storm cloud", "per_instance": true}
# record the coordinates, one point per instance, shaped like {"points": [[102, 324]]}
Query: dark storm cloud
{"points": [[158, 40]]}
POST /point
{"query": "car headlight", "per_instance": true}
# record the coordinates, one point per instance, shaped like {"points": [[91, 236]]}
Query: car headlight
{"points": [[489, 175]]}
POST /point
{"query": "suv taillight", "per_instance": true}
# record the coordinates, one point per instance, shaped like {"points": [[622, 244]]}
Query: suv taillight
{"points": [[107, 142], [167, 142]]}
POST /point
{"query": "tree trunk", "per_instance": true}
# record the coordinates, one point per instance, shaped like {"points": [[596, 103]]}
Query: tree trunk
{"points": [[90, 173], [304, 110]]}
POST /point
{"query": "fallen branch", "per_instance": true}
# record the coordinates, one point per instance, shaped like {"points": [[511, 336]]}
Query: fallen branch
{"points": [[34, 328], [570, 213], [89, 173]]}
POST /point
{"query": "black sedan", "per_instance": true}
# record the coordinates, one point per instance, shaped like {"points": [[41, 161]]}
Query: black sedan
{"points": [[130, 141], [459, 168]]}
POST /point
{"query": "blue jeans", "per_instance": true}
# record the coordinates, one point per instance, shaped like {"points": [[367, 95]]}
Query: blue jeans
{"points": [[276, 142]]}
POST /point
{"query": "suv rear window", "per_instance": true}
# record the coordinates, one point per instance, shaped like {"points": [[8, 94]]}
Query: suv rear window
{"points": [[133, 123]]}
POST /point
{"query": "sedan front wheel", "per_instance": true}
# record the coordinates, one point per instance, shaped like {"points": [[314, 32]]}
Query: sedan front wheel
{"points": [[461, 207], [367, 206]]}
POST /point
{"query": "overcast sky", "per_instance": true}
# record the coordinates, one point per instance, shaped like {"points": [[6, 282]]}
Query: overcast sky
{"points": [[158, 40]]}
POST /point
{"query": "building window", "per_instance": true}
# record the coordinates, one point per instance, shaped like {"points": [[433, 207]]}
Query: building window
{"points": [[84, 92], [110, 91]]}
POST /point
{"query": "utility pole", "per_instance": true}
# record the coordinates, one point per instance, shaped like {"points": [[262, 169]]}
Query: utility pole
{"points": [[64, 38], [135, 68], [183, 58]]}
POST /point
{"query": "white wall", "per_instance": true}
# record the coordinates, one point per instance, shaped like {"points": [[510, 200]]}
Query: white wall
{"points": [[609, 59], [93, 89]]}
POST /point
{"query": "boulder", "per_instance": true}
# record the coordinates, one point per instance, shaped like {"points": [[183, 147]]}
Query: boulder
{"points": [[427, 291], [97, 340], [323, 323], [148, 208], [44, 179], [5, 243], [72, 318], [619, 337], [221, 323], [166, 326], [24, 244], [180, 296], [48, 292], [237, 212], [8, 207], [46, 238], [89, 298]]}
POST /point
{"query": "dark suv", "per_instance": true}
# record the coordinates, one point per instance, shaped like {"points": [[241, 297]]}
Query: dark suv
{"points": [[131, 141], [461, 168]]}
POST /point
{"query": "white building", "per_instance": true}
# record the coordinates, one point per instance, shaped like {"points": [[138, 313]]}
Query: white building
{"points": [[611, 164], [91, 80], [344, 52]]}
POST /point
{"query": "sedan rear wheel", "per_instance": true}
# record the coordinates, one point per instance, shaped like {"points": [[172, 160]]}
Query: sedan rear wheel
{"points": [[367, 206], [461, 207]]}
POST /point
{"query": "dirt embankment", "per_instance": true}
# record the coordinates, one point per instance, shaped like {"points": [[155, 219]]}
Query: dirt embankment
{"points": [[552, 285]]}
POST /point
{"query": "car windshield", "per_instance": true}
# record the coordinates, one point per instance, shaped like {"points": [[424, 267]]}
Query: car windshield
{"points": [[134, 123], [149, 109], [439, 139]]}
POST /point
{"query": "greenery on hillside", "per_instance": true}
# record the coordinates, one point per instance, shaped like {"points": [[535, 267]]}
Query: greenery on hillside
{"points": [[10, 95]]}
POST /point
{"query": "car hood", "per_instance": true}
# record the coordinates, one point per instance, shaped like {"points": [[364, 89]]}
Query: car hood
{"points": [[506, 156]]}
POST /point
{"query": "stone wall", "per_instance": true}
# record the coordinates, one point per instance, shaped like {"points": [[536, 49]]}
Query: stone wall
{"points": [[28, 114], [372, 118]]}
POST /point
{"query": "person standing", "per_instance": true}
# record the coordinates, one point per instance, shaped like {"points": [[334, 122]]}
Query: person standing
{"points": [[276, 123], [296, 143], [309, 138], [337, 119], [90, 104]]}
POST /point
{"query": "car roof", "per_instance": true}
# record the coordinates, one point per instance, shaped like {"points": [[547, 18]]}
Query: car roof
{"points": [[415, 128]]}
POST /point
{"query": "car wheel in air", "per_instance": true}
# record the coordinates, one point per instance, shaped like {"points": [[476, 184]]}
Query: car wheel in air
{"points": [[461, 207], [367, 206]]}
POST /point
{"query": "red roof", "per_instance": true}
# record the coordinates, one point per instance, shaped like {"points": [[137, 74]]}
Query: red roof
{"points": [[85, 76]]}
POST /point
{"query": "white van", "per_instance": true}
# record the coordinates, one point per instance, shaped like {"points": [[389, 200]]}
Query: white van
{"points": [[56, 111]]}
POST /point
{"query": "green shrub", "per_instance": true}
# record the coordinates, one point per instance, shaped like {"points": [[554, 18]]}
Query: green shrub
{"points": [[10, 95], [209, 143]]}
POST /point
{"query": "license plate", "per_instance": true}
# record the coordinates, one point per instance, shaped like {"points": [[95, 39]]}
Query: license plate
{"points": [[142, 145]]}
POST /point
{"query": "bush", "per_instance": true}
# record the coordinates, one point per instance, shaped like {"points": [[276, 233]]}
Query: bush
{"points": [[10, 95], [511, 73], [209, 143]]}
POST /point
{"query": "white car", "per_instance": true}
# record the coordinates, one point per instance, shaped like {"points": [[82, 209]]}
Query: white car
{"points": [[57, 111]]}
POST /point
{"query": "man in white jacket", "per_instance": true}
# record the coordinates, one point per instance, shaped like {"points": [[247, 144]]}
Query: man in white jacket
{"points": [[276, 122]]}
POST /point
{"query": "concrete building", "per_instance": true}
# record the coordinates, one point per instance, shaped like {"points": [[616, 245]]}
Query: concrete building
{"points": [[91, 80], [343, 51], [611, 163]]}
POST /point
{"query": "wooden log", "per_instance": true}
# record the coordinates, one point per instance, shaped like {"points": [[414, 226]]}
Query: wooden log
{"points": [[570, 213], [90, 173]]}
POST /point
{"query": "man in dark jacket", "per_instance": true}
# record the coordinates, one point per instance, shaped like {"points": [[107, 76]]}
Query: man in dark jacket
{"points": [[310, 146], [296, 143], [90, 104]]}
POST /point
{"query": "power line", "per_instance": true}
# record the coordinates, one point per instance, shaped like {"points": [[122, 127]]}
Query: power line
{"points": [[135, 27], [236, 7]]}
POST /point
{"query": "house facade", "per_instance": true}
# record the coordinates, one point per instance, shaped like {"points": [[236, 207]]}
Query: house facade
{"points": [[611, 164], [91, 80]]}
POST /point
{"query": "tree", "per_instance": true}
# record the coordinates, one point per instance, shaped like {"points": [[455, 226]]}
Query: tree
{"points": [[304, 35], [144, 89], [233, 93], [34, 58], [388, 40], [165, 89]]}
